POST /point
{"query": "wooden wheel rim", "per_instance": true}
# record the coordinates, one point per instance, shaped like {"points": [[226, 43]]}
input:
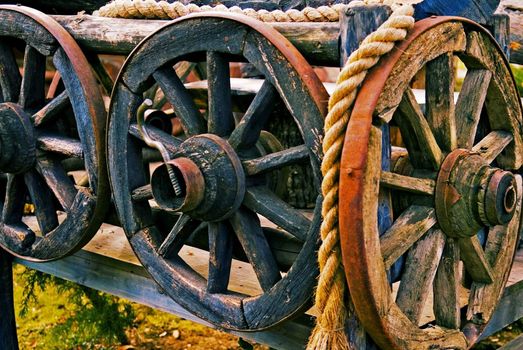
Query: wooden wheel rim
{"points": [[359, 187], [85, 208], [231, 311]]}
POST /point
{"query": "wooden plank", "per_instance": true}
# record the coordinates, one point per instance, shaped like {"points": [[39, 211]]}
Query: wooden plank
{"points": [[317, 41], [493, 144], [407, 183], [446, 287], [474, 259], [514, 8], [8, 337]]}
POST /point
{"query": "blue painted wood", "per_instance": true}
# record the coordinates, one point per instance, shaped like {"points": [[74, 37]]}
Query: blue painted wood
{"points": [[8, 338], [476, 10]]}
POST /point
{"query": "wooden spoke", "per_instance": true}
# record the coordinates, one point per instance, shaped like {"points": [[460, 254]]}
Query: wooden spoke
{"points": [[14, 199], [170, 142], [181, 101], [440, 100], [248, 130], [51, 110], [475, 261], [58, 181], [32, 94], [41, 198], [413, 223], [407, 183], [446, 287], [424, 151], [219, 121], [220, 257], [493, 144], [10, 79], [276, 160], [247, 227], [470, 104], [420, 268], [262, 201], [176, 238], [142, 193], [60, 144], [19, 234]]}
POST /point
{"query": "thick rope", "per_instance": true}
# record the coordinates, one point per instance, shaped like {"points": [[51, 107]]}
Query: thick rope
{"points": [[329, 332], [163, 10]]}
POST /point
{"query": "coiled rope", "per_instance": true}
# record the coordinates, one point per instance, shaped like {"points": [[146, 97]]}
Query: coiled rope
{"points": [[329, 332]]}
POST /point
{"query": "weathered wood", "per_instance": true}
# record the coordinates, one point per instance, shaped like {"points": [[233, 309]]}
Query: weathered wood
{"points": [[413, 223], [8, 337], [276, 160], [219, 119], [446, 287], [407, 183], [470, 105], [52, 109], [420, 268], [514, 9], [58, 181], [514, 344], [440, 100], [417, 134], [474, 259], [317, 41], [477, 10], [178, 235], [491, 146], [220, 257], [41, 198], [10, 79], [499, 25], [170, 142], [358, 22], [263, 201], [32, 95], [60, 144]]}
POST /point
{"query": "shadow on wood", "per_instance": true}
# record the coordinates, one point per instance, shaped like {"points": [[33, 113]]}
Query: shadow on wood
{"points": [[8, 339]]}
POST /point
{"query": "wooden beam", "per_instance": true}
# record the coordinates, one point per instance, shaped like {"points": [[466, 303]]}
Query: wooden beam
{"points": [[514, 8], [318, 42]]}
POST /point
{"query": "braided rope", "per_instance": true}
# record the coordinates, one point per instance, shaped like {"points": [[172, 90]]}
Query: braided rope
{"points": [[163, 10], [329, 331]]}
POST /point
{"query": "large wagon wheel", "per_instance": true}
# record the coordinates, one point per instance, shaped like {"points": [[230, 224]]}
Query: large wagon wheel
{"points": [[223, 173], [456, 199], [37, 134]]}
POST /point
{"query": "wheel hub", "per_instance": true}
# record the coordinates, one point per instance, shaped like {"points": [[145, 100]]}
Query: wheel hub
{"points": [[17, 141], [211, 177], [471, 194]]}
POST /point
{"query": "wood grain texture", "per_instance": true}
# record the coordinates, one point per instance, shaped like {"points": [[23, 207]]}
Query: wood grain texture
{"points": [[515, 11]]}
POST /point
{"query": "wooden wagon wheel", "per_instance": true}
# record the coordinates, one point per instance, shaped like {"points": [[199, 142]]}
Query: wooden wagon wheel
{"points": [[456, 196], [37, 134], [222, 173]]}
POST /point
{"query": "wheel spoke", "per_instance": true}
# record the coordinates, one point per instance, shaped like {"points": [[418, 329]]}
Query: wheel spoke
{"points": [[493, 144], [60, 144], [440, 100], [32, 94], [19, 234], [424, 151], [446, 287], [51, 110], [220, 257], [276, 160], [248, 130], [176, 238], [10, 79], [407, 183], [170, 142], [58, 181], [262, 201], [40, 195], [219, 121], [475, 260], [470, 104], [142, 193], [420, 269], [181, 101], [413, 223], [14, 199], [247, 227]]}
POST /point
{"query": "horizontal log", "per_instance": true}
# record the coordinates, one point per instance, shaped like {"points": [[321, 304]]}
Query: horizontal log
{"points": [[514, 8], [317, 41]]}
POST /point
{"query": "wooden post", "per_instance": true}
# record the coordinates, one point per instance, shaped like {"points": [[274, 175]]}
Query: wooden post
{"points": [[499, 26], [8, 338]]}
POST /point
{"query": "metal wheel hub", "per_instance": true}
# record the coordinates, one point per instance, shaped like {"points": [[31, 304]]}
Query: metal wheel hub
{"points": [[17, 141], [471, 194], [211, 177]]}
